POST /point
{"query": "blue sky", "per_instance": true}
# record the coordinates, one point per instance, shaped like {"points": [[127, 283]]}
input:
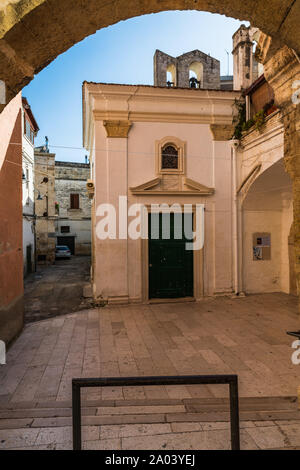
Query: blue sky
{"points": [[122, 53]]}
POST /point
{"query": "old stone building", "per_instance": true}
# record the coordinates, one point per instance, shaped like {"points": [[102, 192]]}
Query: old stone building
{"points": [[45, 209], [73, 224]]}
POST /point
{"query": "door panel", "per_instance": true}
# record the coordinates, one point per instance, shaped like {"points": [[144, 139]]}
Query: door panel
{"points": [[170, 264]]}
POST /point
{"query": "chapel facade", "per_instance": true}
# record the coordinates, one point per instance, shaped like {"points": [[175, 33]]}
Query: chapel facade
{"points": [[174, 145]]}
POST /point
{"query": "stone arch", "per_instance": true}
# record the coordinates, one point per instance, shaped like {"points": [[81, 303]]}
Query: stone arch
{"points": [[267, 212], [171, 74], [35, 32], [196, 70]]}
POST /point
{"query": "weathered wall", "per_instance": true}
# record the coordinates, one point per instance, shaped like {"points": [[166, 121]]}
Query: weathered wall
{"points": [[242, 59], [34, 32], [45, 208], [71, 178], [11, 259], [282, 71]]}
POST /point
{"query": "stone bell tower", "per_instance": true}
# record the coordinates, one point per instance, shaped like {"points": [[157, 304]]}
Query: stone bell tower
{"points": [[194, 69], [243, 60]]}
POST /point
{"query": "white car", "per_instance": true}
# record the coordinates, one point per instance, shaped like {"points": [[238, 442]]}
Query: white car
{"points": [[62, 251]]}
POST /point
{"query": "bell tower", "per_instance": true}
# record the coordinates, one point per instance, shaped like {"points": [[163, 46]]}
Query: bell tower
{"points": [[194, 69], [242, 58]]}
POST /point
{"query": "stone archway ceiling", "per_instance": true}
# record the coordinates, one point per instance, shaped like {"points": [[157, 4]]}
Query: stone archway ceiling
{"points": [[35, 32]]}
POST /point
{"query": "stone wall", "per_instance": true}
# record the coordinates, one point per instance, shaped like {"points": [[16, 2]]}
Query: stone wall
{"points": [[71, 178], [45, 207], [35, 32]]}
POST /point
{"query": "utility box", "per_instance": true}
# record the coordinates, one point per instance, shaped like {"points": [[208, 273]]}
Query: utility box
{"points": [[261, 246]]}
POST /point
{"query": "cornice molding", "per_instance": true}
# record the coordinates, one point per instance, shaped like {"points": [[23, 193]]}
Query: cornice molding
{"points": [[122, 116], [193, 189]]}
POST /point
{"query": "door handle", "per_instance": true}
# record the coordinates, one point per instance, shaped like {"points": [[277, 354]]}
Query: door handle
{"points": [[150, 265]]}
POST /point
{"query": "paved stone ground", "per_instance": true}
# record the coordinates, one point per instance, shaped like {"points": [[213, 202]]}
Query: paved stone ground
{"points": [[57, 289], [244, 336]]}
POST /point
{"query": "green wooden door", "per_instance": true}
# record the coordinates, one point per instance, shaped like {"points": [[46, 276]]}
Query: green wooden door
{"points": [[170, 264]]}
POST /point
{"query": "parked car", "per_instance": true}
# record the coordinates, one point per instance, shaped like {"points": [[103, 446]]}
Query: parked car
{"points": [[62, 251]]}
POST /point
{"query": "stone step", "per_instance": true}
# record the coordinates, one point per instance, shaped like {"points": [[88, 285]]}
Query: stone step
{"points": [[284, 402], [101, 412]]}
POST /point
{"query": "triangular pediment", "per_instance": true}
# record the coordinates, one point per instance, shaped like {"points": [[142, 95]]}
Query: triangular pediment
{"points": [[180, 186]]}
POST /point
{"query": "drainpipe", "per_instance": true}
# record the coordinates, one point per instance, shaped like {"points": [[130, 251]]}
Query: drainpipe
{"points": [[235, 243]]}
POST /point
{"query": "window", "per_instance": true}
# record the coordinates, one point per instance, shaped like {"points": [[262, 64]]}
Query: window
{"points": [[74, 201], [28, 130], [65, 229], [169, 157]]}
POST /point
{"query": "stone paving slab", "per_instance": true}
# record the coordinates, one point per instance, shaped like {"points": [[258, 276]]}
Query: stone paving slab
{"points": [[167, 436], [246, 337]]}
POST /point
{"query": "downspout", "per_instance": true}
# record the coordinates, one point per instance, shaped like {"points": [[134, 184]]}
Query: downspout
{"points": [[235, 243]]}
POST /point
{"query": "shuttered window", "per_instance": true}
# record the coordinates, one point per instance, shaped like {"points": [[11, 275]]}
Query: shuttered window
{"points": [[74, 201]]}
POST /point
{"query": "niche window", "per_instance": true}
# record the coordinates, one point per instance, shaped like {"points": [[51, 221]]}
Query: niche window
{"points": [[170, 156], [65, 229]]}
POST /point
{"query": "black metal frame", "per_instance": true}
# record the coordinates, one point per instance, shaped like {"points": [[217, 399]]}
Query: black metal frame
{"points": [[294, 333], [231, 380]]}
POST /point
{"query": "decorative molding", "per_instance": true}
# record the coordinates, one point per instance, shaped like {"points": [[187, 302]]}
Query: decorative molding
{"points": [[201, 188], [193, 189], [222, 132], [117, 129], [135, 116], [247, 182], [146, 186]]}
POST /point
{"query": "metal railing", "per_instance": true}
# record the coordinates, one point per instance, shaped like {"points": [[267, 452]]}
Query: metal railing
{"points": [[231, 380]]}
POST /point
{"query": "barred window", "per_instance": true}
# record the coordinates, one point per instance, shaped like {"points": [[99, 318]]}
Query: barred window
{"points": [[169, 157]]}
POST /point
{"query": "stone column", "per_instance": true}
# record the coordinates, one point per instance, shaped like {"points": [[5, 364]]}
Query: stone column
{"points": [[282, 71]]}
